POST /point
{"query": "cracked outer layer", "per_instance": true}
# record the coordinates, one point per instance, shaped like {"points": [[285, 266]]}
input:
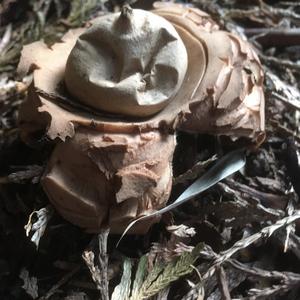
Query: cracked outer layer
{"points": [[107, 169], [99, 179]]}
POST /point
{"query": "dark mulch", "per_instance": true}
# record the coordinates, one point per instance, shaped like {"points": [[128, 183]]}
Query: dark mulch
{"points": [[249, 250]]}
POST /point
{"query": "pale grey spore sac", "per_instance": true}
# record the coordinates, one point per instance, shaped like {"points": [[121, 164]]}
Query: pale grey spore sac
{"points": [[130, 65]]}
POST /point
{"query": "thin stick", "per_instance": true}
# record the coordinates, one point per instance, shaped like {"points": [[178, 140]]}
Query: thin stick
{"points": [[241, 244], [221, 275], [99, 273], [103, 262], [280, 62]]}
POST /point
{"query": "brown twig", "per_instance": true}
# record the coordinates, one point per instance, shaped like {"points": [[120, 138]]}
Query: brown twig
{"points": [[288, 280], [223, 284], [267, 199], [283, 63], [257, 272], [274, 37], [267, 293], [278, 12], [103, 262], [99, 273], [289, 101]]}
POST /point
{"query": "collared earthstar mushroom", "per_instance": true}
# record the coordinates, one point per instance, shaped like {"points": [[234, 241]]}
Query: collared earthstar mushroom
{"points": [[112, 97]]}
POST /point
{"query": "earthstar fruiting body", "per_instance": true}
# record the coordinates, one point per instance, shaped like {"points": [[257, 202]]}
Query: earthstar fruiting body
{"points": [[112, 162]]}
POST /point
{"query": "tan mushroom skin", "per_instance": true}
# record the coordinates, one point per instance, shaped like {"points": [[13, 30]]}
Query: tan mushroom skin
{"points": [[132, 80], [110, 176], [129, 63]]}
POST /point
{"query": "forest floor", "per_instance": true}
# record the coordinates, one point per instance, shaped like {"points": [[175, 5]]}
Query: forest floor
{"points": [[245, 230]]}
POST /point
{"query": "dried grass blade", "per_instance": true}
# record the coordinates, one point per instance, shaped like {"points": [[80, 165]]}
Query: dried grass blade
{"points": [[122, 290], [139, 277]]}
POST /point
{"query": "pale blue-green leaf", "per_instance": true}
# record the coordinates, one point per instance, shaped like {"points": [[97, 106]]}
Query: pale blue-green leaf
{"points": [[122, 290], [140, 275], [225, 166]]}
